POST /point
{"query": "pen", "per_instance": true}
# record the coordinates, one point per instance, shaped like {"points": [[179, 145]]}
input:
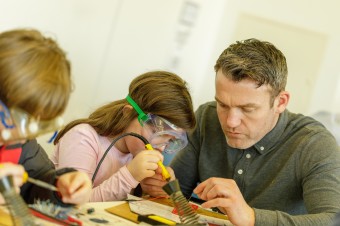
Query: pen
{"points": [[166, 175], [39, 183]]}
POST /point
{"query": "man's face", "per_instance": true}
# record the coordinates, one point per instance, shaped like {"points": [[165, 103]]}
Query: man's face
{"points": [[244, 110]]}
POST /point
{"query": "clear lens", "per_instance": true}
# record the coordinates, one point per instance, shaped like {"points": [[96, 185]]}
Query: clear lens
{"points": [[164, 135], [19, 125]]}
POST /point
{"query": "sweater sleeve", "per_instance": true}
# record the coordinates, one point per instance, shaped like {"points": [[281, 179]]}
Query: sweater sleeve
{"points": [[81, 149], [115, 188], [319, 166], [37, 164]]}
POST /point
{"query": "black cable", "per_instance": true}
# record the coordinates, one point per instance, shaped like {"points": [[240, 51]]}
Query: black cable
{"points": [[145, 141]]}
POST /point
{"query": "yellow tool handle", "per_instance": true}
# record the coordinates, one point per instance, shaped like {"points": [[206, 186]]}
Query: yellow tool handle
{"points": [[166, 175], [25, 177], [161, 220]]}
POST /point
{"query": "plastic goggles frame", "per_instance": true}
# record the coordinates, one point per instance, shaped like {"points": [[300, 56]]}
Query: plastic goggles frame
{"points": [[19, 125], [163, 134]]}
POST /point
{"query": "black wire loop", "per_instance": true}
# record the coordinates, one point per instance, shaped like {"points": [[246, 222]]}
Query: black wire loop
{"points": [[145, 141]]}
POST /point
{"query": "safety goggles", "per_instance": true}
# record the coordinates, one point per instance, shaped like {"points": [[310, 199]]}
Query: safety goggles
{"points": [[19, 125], [161, 133]]}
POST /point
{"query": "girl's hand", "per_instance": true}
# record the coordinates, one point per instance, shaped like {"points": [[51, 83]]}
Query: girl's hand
{"points": [[144, 164]]}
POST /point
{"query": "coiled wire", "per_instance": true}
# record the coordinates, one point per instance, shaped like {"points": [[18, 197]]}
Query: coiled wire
{"points": [[17, 207]]}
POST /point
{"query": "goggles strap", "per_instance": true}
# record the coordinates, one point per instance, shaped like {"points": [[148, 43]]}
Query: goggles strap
{"points": [[4, 113], [141, 115]]}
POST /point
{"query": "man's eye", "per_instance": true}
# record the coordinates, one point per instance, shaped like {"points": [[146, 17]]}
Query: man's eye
{"points": [[222, 105], [248, 110]]}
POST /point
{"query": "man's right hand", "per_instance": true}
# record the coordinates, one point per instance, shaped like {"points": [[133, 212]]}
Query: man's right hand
{"points": [[225, 194]]}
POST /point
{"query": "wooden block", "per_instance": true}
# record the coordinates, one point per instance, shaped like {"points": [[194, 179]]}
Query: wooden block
{"points": [[123, 210]]}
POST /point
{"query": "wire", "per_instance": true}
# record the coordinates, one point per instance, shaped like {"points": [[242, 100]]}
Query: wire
{"points": [[145, 141]]}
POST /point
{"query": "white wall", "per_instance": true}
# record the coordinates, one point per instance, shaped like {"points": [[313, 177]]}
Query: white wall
{"points": [[111, 41], [307, 33]]}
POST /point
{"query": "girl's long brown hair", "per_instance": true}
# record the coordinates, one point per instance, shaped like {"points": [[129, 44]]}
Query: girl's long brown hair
{"points": [[158, 92]]}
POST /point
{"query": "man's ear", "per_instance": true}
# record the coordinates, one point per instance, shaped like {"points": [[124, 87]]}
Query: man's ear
{"points": [[127, 109], [281, 101]]}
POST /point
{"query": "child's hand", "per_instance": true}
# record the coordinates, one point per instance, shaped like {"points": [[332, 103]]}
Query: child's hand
{"points": [[144, 164], [17, 171], [74, 187], [14, 170], [153, 186]]}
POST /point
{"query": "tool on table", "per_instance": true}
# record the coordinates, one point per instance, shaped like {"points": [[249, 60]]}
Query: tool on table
{"points": [[39, 183], [185, 212], [155, 220]]}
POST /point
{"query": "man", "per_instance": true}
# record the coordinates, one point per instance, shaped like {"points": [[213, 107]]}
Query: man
{"points": [[35, 86], [255, 160]]}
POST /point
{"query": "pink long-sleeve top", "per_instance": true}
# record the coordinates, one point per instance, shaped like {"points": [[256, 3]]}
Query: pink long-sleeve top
{"points": [[82, 148]]}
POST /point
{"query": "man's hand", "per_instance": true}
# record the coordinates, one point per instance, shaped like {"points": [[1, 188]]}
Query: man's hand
{"points": [[225, 194]]}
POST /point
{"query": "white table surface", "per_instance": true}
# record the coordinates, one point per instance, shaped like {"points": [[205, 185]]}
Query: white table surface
{"points": [[101, 214]]}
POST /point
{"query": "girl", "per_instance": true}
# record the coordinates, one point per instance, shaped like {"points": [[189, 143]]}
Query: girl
{"points": [[158, 107]]}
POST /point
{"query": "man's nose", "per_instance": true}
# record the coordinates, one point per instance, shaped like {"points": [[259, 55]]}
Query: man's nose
{"points": [[233, 118]]}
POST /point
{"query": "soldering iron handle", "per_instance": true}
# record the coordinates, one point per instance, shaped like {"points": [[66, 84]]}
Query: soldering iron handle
{"points": [[166, 175]]}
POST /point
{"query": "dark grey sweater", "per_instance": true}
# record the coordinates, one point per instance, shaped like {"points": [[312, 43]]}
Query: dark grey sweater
{"points": [[290, 177]]}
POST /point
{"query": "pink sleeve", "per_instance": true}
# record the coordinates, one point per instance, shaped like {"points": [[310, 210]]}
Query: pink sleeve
{"points": [[115, 188], [79, 148]]}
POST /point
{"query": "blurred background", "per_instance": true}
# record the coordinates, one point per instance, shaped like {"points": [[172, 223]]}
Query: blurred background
{"points": [[109, 42]]}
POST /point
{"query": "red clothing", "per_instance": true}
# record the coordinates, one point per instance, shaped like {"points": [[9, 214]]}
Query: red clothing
{"points": [[37, 164]]}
